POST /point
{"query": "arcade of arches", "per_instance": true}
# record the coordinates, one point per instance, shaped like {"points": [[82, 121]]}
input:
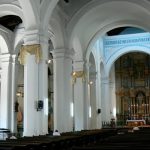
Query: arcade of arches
{"points": [[73, 65]]}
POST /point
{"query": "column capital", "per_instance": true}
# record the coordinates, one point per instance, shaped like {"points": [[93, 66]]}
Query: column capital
{"points": [[32, 37], [35, 37], [105, 79], [78, 65], [78, 74], [78, 71], [34, 49]]}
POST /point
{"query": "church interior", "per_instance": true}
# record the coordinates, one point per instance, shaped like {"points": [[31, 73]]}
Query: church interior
{"points": [[81, 67]]}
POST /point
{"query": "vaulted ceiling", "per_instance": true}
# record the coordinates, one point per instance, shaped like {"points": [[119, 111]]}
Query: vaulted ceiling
{"points": [[10, 21], [70, 7]]}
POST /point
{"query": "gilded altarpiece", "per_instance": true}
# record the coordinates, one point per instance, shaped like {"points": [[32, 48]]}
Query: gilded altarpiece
{"points": [[132, 73]]}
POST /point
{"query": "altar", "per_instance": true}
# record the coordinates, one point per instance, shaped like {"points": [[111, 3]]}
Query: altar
{"points": [[133, 123]]}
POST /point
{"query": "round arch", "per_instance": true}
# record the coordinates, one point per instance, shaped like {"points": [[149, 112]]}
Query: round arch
{"points": [[108, 27], [10, 9], [31, 16], [57, 40], [47, 8], [99, 20], [97, 3], [123, 51]]}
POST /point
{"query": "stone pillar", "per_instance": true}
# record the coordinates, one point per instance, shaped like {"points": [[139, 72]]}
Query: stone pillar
{"points": [[62, 90], [99, 97], [13, 97], [42, 125], [5, 103], [33, 55], [87, 120], [112, 93], [78, 77], [93, 103], [105, 99], [31, 91]]}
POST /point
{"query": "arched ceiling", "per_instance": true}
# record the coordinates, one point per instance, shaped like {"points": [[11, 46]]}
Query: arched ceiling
{"points": [[9, 2], [10, 14], [85, 18], [10, 21], [90, 17], [70, 7]]}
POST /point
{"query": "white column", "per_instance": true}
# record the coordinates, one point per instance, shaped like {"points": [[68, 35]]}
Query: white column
{"points": [[68, 91], [99, 97], [93, 104], [62, 90], [112, 92], [31, 85], [13, 97], [36, 89], [5, 103], [42, 124], [87, 99], [79, 97], [35, 84], [105, 99]]}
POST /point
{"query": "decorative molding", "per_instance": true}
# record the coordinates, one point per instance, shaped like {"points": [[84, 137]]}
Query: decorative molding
{"points": [[78, 74], [6, 58], [78, 65], [132, 92], [121, 43], [127, 39], [135, 40], [114, 51], [62, 53], [31, 49]]}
